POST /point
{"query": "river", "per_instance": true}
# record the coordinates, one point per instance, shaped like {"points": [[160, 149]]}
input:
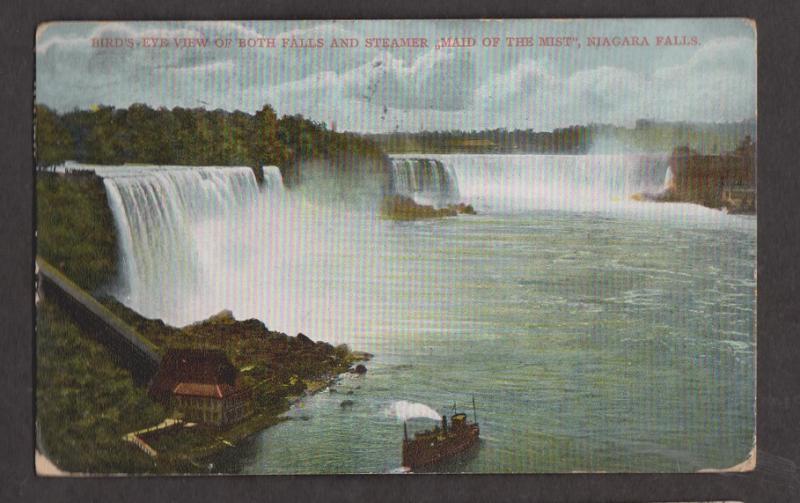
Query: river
{"points": [[594, 332]]}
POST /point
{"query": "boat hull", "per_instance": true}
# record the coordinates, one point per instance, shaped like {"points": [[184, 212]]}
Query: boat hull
{"points": [[424, 452]]}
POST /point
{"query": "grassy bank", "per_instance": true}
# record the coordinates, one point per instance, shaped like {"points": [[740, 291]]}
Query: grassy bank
{"points": [[75, 228], [84, 402]]}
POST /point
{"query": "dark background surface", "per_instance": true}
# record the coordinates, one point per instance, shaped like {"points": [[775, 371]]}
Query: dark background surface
{"points": [[776, 477]]}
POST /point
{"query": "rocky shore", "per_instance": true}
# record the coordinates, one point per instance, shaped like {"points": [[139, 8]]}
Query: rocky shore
{"points": [[277, 368]]}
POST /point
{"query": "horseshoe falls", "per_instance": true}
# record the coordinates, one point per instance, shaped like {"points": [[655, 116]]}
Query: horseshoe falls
{"points": [[513, 183]]}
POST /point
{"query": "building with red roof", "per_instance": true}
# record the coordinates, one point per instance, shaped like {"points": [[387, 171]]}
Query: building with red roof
{"points": [[202, 385]]}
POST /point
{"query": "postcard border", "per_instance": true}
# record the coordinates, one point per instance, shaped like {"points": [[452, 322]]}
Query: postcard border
{"points": [[778, 386]]}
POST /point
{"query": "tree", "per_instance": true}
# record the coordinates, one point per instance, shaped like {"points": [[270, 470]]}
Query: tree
{"points": [[267, 145], [103, 139], [54, 144], [199, 137]]}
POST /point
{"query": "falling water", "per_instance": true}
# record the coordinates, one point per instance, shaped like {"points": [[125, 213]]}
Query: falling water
{"points": [[427, 181], [526, 182], [669, 180], [157, 210]]}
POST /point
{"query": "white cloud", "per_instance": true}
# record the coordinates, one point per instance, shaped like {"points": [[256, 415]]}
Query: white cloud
{"points": [[434, 81], [372, 89], [716, 84]]}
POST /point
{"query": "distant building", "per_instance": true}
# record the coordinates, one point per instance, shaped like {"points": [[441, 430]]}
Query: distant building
{"points": [[738, 197], [201, 384]]}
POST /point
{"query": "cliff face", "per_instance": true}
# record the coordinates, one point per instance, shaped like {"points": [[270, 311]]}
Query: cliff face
{"points": [[716, 181]]}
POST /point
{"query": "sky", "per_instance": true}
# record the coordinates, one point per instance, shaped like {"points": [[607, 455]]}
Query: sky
{"points": [[369, 89]]}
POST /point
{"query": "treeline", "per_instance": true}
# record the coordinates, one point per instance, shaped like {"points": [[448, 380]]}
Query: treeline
{"points": [[197, 137], [645, 136]]}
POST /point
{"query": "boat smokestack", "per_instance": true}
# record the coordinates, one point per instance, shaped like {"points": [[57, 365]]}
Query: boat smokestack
{"points": [[444, 424]]}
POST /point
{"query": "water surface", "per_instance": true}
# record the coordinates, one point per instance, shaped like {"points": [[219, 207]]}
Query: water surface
{"points": [[595, 333]]}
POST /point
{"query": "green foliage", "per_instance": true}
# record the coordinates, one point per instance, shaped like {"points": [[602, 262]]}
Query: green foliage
{"points": [[199, 137], [84, 402], [75, 228], [268, 148], [54, 145]]}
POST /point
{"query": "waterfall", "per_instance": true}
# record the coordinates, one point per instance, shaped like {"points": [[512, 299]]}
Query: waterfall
{"points": [[427, 181], [522, 182], [272, 179], [669, 179], [161, 213]]}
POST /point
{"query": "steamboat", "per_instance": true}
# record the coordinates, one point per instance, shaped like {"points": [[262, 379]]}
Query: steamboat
{"points": [[442, 442]]}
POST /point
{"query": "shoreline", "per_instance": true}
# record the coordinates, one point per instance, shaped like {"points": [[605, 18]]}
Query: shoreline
{"points": [[196, 459], [671, 198], [277, 370]]}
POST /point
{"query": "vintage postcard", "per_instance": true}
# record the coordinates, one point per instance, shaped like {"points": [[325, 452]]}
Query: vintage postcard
{"points": [[406, 246]]}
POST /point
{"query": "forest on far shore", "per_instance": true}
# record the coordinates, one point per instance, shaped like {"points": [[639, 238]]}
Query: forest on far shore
{"points": [[645, 136], [197, 137]]}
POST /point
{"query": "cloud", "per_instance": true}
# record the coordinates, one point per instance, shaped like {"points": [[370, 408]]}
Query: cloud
{"points": [[438, 82], [434, 81], [526, 79], [376, 89], [73, 73], [717, 83]]}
